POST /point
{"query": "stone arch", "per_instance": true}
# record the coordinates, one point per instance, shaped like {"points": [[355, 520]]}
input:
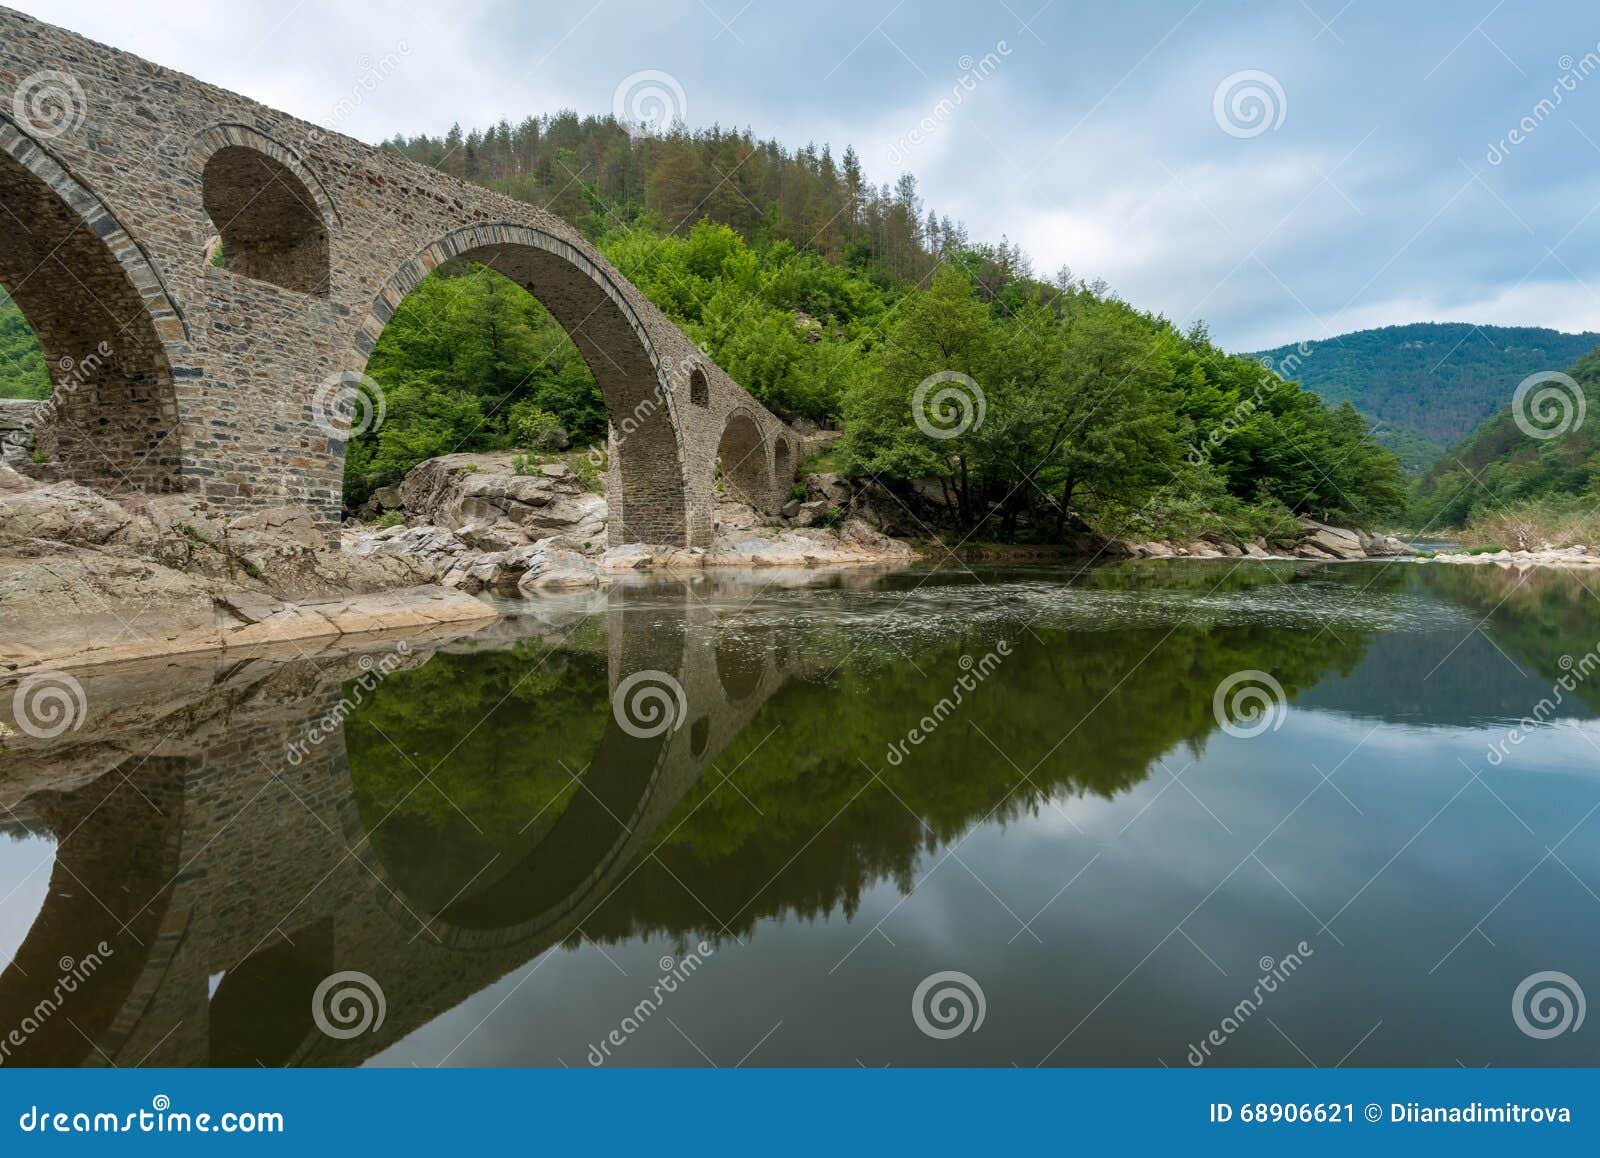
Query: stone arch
{"points": [[103, 319], [742, 459], [265, 206], [699, 388], [646, 489]]}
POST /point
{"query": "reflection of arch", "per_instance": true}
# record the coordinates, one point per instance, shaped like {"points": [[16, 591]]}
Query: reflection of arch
{"points": [[116, 864], [739, 665], [742, 454], [262, 1010], [259, 197], [598, 831], [102, 316], [647, 494]]}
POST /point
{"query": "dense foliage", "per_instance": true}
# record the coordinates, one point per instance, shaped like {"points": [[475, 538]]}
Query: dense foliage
{"points": [[1428, 385], [22, 372], [1499, 468]]}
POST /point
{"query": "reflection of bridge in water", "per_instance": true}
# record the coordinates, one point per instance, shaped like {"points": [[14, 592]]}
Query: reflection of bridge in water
{"points": [[228, 883]]}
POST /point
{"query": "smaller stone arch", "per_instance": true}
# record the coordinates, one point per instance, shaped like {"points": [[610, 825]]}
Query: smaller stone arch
{"points": [[272, 215], [742, 460], [782, 464], [699, 388]]}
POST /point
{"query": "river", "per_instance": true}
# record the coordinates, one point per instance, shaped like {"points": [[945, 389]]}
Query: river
{"points": [[1165, 813]]}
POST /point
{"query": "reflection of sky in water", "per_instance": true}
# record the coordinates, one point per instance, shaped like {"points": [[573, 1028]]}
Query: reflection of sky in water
{"points": [[24, 881], [1139, 950]]}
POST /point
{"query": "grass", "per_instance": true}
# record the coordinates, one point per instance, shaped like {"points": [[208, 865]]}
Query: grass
{"points": [[1530, 526]]}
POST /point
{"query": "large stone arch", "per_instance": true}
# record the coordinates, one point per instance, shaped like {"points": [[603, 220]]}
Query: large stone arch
{"points": [[742, 454], [103, 318], [645, 486]]}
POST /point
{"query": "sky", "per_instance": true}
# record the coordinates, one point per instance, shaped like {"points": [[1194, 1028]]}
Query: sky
{"points": [[1283, 171]]}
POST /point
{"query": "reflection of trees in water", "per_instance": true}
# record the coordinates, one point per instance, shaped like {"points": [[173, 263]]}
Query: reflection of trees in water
{"points": [[1125, 696]]}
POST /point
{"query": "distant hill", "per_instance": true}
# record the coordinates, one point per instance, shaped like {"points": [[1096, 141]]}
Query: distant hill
{"points": [[1499, 466], [1428, 385]]}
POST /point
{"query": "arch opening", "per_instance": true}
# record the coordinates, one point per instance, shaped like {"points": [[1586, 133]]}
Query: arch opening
{"points": [[645, 492], [699, 388], [782, 465], [269, 223], [111, 421], [742, 461]]}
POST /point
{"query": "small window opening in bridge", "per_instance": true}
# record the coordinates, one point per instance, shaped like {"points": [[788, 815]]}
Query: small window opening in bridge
{"points": [[269, 224], [699, 389], [700, 735]]}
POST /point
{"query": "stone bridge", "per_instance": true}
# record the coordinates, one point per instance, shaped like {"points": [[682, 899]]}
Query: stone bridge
{"points": [[228, 882], [240, 384]]}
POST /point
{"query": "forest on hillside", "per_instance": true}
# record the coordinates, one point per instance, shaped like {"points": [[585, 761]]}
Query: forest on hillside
{"points": [[1428, 385]]}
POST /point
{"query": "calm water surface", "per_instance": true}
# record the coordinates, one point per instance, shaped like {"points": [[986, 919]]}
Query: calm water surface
{"points": [[730, 821]]}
